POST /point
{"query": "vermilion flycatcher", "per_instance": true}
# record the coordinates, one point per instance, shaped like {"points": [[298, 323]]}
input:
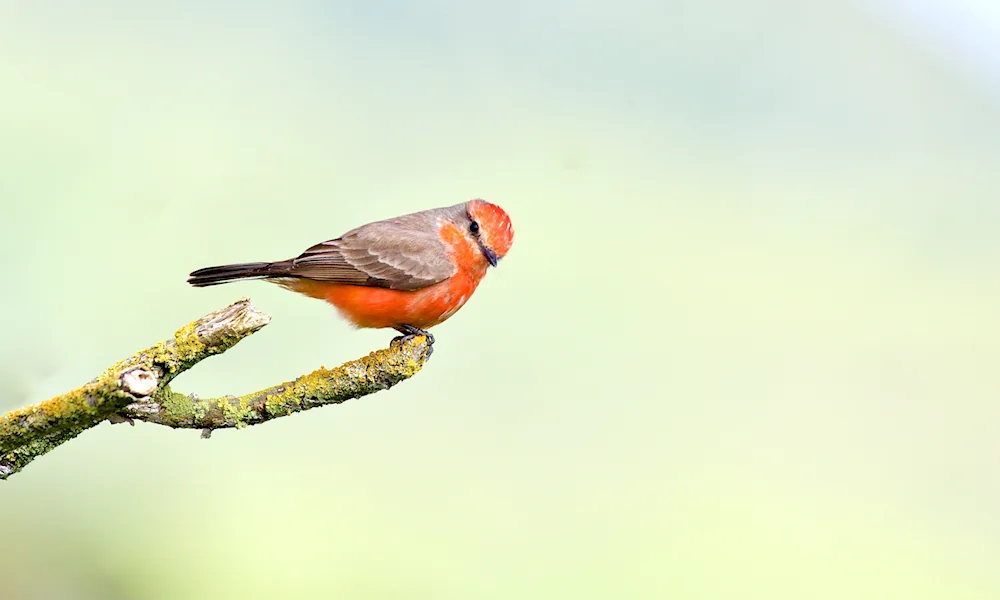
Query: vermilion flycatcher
{"points": [[409, 273]]}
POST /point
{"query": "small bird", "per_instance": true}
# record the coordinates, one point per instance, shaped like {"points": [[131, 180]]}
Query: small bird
{"points": [[409, 273]]}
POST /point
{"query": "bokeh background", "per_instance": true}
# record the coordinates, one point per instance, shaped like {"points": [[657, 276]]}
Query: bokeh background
{"points": [[746, 343]]}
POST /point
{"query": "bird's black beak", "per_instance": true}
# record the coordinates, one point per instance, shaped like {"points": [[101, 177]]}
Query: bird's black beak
{"points": [[489, 254]]}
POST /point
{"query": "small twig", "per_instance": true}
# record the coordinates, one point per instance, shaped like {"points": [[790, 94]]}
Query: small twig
{"points": [[137, 388]]}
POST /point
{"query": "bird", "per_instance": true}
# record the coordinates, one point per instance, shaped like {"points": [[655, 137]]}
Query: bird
{"points": [[408, 273]]}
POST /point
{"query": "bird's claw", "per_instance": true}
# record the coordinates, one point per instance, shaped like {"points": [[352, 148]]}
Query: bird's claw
{"points": [[409, 332], [400, 339]]}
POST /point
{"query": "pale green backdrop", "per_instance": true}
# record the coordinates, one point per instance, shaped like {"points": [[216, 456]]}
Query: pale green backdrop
{"points": [[745, 344]]}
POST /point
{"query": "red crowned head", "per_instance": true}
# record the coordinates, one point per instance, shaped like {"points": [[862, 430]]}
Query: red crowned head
{"points": [[495, 232]]}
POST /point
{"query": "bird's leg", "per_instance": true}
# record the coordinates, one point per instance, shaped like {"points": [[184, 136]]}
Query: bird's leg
{"points": [[409, 332]]}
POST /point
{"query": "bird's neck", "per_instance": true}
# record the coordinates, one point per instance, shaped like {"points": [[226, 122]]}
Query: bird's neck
{"points": [[465, 253]]}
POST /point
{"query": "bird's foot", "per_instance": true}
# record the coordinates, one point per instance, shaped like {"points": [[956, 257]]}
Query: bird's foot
{"points": [[409, 332]]}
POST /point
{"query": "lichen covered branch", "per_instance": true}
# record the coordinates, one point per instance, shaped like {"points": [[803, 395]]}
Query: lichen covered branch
{"points": [[27, 433], [380, 370], [138, 388]]}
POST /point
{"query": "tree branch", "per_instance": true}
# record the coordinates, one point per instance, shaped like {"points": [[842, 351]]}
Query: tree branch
{"points": [[138, 388]]}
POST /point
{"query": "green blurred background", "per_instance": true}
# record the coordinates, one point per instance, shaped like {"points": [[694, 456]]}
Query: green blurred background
{"points": [[745, 344]]}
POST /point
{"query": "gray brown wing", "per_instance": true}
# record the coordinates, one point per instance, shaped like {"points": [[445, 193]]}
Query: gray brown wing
{"points": [[401, 254]]}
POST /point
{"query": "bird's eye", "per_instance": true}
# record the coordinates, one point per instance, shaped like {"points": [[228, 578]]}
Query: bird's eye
{"points": [[474, 227]]}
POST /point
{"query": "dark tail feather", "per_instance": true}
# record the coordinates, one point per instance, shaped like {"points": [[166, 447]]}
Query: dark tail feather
{"points": [[226, 273]]}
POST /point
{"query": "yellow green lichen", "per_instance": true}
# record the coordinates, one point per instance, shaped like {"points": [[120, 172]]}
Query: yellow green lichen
{"points": [[178, 408], [198, 410], [30, 432], [238, 412], [281, 404]]}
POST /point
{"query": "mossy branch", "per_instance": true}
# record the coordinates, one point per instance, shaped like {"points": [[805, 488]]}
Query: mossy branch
{"points": [[138, 388]]}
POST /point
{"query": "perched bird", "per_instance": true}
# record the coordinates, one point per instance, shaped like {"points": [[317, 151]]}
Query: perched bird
{"points": [[409, 273]]}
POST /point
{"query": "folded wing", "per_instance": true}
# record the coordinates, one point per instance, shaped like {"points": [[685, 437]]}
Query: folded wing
{"points": [[400, 254]]}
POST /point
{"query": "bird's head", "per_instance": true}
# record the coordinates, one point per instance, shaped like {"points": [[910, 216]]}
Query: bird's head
{"points": [[490, 227]]}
